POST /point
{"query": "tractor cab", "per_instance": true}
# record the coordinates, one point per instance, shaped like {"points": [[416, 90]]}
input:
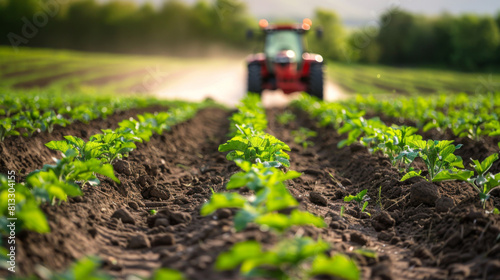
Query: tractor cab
{"points": [[284, 64]]}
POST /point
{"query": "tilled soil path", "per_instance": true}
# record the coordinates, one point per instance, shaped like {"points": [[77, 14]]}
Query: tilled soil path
{"points": [[418, 230]]}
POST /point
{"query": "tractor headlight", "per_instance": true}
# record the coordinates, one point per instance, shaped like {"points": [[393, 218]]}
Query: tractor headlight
{"points": [[285, 57]]}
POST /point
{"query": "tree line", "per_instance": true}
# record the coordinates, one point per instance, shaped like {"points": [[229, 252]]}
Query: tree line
{"points": [[469, 42], [122, 26]]}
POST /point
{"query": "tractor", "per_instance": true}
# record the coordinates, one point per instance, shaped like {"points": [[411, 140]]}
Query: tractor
{"points": [[284, 64]]}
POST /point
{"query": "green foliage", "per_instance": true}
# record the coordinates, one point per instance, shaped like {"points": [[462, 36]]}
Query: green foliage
{"points": [[25, 207], [484, 182], [360, 198], [86, 268], [288, 259], [250, 116], [59, 180], [475, 126], [7, 128], [400, 144], [300, 137], [333, 45], [165, 273], [440, 160], [285, 118], [475, 40], [466, 41], [80, 164], [337, 265], [257, 147], [30, 111], [258, 155], [134, 26]]}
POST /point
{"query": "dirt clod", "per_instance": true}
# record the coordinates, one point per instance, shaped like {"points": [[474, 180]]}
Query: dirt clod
{"points": [[383, 221], [124, 215], [157, 192], [138, 241], [122, 167], [382, 271], [165, 239], [444, 204], [133, 205], [318, 199], [223, 214], [360, 238], [423, 192], [194, 190]]}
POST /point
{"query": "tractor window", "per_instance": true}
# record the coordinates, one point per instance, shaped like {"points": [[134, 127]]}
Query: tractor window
{"points": [[283, 40]]}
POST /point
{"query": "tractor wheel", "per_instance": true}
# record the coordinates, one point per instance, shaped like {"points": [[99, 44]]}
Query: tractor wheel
{"points": [[316, 80], [254, 78]]}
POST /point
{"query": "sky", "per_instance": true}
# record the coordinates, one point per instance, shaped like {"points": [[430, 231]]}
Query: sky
{"points": [[357, 12]]}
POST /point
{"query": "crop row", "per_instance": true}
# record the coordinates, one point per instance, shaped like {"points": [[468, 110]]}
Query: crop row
{"points": [[263, 161], [465, 115], [26, 112], [80, 163], [403, 146]]}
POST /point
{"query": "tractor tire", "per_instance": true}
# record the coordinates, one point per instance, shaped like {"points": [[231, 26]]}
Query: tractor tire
{"points": [[254, 78], [316, 86]]}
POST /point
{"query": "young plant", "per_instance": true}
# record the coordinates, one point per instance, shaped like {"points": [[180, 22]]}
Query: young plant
{"points": [[285, 118], [114, 144], [396, 145], [256, 147], [361, 199], [297, 258], [473, 126], [271, 195], [7, 128], [484, 182], [301, 136], [59, 180], [25, 206], [440, 160], [49, 119], [84, 150]]}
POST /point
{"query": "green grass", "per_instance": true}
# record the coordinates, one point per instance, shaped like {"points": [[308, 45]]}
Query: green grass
{"points": [[376, 79], [28, 65]]}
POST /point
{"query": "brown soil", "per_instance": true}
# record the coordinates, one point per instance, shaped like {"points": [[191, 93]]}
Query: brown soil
{"points": [[24, 155], [419, 230], [116, 77], [32, 70], [45, 81]]}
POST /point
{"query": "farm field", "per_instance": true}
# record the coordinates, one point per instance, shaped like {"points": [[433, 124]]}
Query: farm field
{"points": [[379, 79], [362, 188]]}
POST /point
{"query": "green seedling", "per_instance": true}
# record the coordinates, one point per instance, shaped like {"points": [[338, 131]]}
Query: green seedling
{"points": [[285, 118], [84, 150], [484, 182], [27, 211], [7, 128], [59, 180], [301, 136], [271, 195], [440, 160], [257, 147], [153, 211], [115, 145], [474, 126], [297, 258], [49, 119], [361, 199]]}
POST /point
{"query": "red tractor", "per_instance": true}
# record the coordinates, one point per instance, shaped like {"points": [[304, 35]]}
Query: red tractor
{"points": [[285, 64]]}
